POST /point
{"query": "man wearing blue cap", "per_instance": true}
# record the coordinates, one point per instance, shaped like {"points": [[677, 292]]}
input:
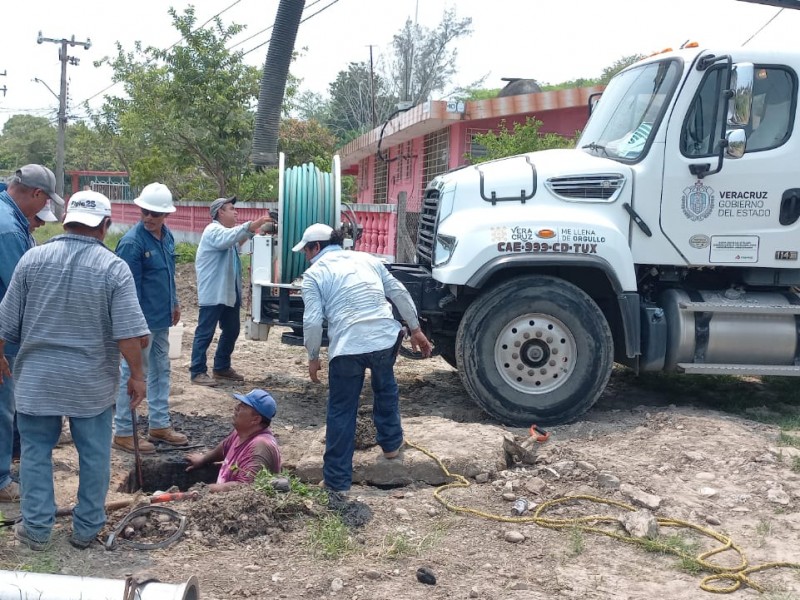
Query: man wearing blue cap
{"points": [[250, 447]]}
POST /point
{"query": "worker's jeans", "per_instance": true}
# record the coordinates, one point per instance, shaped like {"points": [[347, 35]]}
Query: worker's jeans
{"points": [[155, 358], [6, 426], [346, 378], [207, 319], [92, 437]]}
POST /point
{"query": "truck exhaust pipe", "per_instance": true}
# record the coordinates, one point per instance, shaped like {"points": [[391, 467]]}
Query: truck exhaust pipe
{"points": [[20, 585]]}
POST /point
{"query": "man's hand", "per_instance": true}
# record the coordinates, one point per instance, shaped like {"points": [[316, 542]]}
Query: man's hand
{"points": [[256, 225], [137, 390], [419, 343], [176, 315], [313, 368], [5, 370], [195, 460]]}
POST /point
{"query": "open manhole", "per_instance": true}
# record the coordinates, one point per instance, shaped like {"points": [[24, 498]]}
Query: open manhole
{"points": [[160, 473]]}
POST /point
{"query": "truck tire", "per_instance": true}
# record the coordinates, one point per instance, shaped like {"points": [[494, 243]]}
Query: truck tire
{"points": [[535, 349]]}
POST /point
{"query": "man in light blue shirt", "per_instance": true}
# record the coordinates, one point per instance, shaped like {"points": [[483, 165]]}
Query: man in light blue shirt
{"points": [[27, 193], [350, 289], [219, 291]]}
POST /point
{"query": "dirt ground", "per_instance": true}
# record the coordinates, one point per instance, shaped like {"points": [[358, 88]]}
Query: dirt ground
{"points": [[722, 473]]}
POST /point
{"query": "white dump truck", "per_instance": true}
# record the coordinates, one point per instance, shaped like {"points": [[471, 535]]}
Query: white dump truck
{"points": [[667, 240]]}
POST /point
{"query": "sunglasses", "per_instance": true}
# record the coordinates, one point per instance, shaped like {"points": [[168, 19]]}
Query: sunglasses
{"points": [[152, 213]]}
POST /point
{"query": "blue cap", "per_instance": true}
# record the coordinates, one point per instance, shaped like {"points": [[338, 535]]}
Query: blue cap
{"points": [[261, 401]]}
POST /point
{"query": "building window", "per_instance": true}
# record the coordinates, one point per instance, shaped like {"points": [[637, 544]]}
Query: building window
{"points": [[436, 155], [380, 181], [407, 161], [363, 175], [474, 149]]}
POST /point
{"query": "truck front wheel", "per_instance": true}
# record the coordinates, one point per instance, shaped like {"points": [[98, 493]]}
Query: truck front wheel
{"points": [[535, 349]]}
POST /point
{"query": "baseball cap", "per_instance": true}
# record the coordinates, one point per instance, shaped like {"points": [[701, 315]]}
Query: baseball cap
{"points": [[260, 400], [88, 208], [219, 203], [47, 215], [38, 176], [318, 232]]}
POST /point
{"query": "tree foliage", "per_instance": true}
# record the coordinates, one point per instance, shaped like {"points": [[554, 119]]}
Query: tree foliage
{"points": [[523, 137], [186, 118], [27, 139], [349, 112]]}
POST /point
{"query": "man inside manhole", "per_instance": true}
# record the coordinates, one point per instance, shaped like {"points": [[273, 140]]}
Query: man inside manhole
{"points": [[250, 447]]}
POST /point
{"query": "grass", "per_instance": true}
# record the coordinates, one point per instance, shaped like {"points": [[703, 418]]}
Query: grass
{"points": [[329, 537], [577, 543], [771, 400], [399, 544], [796, 464], [264, 479], [685, 549], [785, 439], [185, 252]]}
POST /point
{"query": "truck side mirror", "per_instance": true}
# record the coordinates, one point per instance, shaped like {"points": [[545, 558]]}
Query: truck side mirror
{"points": [[737, 141], [741, 101]]}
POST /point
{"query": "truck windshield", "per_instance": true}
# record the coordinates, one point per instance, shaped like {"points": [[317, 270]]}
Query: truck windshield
{"points": [[629, 111]]}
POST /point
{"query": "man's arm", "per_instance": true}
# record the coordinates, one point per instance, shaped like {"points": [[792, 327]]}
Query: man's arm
{"points": [[131, 349], [5, 370], [12, 247], [312, 325], [398, 294], [197, 460]]}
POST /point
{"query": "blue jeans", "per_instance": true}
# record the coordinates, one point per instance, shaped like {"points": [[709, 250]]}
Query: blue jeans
{"points": [[7, 429], [156, 366], [207, 319], [92, 437], [345, 379]]}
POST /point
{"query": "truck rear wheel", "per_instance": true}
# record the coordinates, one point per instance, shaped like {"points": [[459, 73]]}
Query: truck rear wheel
{"points": [[535, 349]]}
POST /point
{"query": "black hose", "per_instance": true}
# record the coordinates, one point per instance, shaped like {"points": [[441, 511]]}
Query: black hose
{"points": [[273, 83]]}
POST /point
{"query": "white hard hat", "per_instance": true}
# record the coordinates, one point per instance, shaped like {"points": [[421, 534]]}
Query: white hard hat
{"points": [[156, 197]]}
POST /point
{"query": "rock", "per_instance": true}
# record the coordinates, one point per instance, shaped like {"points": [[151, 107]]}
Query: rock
{"points": [[139, 522], [703, 476], [608, 481], [426, 576], [514, 537], [473, 593], [481, 478], [784, 451], [707, 492], [252, 568], [586, 466], [640, 524], [639, 497], [433, 511], [337, 585], [778, 496], [519, 585], [281, 484], [712, 520], [509, 496], [508, 487], [564, 466], [402, 514], [373, 574], [536, 485]]}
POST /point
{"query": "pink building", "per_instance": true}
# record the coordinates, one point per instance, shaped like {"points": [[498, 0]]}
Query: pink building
{"points": [[430, 139]]}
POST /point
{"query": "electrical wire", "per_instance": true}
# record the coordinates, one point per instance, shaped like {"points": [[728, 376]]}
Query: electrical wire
{"points": [[257, 33], [763, 26]]}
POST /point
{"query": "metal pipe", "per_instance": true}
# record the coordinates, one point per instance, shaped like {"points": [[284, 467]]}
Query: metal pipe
{"points": [[20, 585]]}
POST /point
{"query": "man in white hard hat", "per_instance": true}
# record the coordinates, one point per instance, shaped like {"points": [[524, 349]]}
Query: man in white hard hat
{"points": [[25, 193], [72, 309], [149, 249]]}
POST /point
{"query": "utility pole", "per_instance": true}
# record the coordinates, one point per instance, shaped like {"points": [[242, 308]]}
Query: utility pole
{"points": [[62, 100], [3, 89], [372, 88]]}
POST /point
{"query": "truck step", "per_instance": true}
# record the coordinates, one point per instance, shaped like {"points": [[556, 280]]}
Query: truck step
{"points": [[739, 308], [724, 369]]}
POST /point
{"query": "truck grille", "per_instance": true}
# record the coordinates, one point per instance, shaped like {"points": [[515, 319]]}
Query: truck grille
{"points": [[426, 235], [602, 187]]}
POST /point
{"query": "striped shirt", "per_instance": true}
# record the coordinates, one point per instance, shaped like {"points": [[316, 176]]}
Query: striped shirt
{"points": [[69, 302]]}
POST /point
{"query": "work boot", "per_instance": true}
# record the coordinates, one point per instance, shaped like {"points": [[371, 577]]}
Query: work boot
{"points": [[169, 436], [204, 379], [394, 453], [80, 544], [22, 536], [125, 443], [10, 493], [228, 375]]}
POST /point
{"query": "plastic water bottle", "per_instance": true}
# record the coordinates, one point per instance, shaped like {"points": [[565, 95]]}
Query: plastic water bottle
{"points": [[520, 507]]}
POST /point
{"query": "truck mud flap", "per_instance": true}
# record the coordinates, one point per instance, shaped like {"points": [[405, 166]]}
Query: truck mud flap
{"points": [[426, 292]]}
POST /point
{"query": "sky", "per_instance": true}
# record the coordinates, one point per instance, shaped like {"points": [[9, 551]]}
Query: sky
{"points": [[547, 40]]}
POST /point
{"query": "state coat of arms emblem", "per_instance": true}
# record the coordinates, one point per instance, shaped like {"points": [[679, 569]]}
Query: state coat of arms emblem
{"points": [[697, 201]]}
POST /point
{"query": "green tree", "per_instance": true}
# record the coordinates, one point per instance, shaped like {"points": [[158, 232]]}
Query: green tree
{"points": [[88, 150], [306, 141], [27, 139], [617, 66], [186, 118], [349, 113], [523, 137]]}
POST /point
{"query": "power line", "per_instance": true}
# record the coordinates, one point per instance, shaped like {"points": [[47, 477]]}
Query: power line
{"points": [[257, 33], [763, 26]]}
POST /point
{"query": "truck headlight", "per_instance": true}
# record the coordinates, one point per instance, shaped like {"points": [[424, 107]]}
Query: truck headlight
{"points": [[445, 246]]}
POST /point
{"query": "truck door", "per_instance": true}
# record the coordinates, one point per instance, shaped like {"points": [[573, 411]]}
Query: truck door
{"points": [[748, 212]]}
